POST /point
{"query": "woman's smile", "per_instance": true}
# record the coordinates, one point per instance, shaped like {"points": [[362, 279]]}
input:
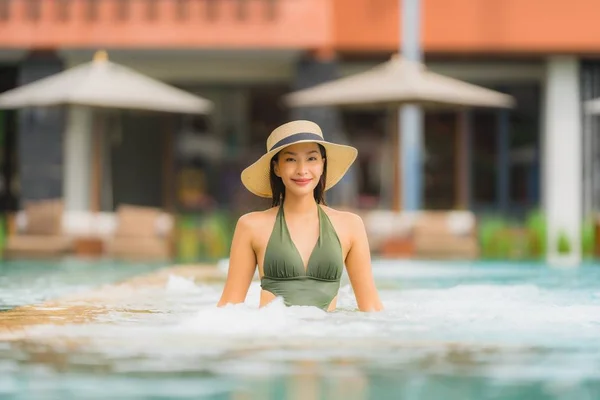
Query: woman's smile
{"points": [[302, 181]]}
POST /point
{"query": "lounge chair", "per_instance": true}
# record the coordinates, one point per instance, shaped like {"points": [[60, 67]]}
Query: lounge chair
{"points": [[37, 231], [142, 233], [390, 233], [446, 234]]}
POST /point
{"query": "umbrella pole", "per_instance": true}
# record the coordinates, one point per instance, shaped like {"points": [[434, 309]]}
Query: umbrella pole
{"points": [[463, 160], [106, 141], [396, 145], [96, 181], [169, 125], [390, 192]]}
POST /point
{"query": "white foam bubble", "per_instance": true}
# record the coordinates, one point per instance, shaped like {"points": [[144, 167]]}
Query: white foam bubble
{"points": [[185, 325], [180, 284]]}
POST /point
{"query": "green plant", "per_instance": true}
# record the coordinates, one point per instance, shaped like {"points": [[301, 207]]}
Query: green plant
{"points": [[537, 227], [492, 244], [504, 244], [2, 235], [563, 243], [588, 237]]}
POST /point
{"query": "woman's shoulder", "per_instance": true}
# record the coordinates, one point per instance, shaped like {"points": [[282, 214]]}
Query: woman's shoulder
{"points": [[347, 219], [256, 219]]}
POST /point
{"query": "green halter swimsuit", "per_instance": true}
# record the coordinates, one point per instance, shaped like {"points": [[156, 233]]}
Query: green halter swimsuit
{"points": [[284, 273]]}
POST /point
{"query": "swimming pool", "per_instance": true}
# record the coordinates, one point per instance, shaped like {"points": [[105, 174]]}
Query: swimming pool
{"points": [[451, 330], [33, 281]]}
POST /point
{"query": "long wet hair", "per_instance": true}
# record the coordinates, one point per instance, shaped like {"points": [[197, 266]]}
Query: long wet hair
{"points": [[278, 188]]}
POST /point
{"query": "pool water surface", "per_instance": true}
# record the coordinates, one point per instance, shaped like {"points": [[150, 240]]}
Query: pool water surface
{"points": [[450, 330]]}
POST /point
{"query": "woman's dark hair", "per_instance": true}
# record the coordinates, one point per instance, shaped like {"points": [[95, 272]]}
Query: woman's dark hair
{"points": [[278, 188]]}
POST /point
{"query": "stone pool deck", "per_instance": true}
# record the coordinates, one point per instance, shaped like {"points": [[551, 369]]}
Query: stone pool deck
{"points": [[87, 306]]}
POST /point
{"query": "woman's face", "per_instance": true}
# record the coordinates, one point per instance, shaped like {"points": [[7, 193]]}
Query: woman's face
{"points": [[300, 167]]}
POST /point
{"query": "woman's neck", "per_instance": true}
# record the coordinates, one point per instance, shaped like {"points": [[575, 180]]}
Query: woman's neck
{"points": [[299, 205]]}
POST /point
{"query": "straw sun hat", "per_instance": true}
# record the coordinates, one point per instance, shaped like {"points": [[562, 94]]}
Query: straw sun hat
{"points": [[339, 157]]}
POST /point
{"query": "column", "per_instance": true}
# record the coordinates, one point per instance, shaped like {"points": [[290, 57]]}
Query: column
{"points": [[40, 135], [411, 115], [563, 160], [78, 159], [411, 156], [590, 88]]}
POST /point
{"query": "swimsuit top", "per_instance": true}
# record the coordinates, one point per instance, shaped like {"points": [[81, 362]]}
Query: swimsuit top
{"points": [[284, 274]]}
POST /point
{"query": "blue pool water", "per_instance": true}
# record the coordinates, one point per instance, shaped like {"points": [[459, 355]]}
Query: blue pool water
{"points": [[32, 281], [451, 330]]}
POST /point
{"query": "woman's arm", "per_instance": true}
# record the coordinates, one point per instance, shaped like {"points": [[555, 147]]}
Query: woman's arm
{"points": [[242, 264], [358, 265]]}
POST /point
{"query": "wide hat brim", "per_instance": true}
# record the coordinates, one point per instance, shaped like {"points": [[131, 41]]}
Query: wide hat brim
{"points": [[339, 159]]}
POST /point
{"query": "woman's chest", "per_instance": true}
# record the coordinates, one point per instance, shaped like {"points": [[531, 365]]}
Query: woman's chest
{"points": [[300, 242]]}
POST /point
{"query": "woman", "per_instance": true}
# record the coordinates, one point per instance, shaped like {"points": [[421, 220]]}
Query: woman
{"points": [[300, 245]]}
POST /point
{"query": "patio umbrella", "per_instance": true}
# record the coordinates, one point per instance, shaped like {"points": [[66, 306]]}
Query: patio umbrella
{"points": [[398, 82], [104, 84]]}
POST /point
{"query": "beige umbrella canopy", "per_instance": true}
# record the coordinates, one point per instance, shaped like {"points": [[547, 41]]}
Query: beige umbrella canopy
{"points": [[395, 83], [102, 83], [398, 82]]}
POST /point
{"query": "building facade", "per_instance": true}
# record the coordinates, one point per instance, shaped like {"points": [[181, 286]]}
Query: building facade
{"points": [[245, 55]]}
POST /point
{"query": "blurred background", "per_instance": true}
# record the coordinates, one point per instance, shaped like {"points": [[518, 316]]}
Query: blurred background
{"points": [[125, 124], [482, 169]]}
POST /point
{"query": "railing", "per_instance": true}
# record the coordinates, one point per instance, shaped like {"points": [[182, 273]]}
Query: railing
{"points": [[122, 10], [165, 23]]}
